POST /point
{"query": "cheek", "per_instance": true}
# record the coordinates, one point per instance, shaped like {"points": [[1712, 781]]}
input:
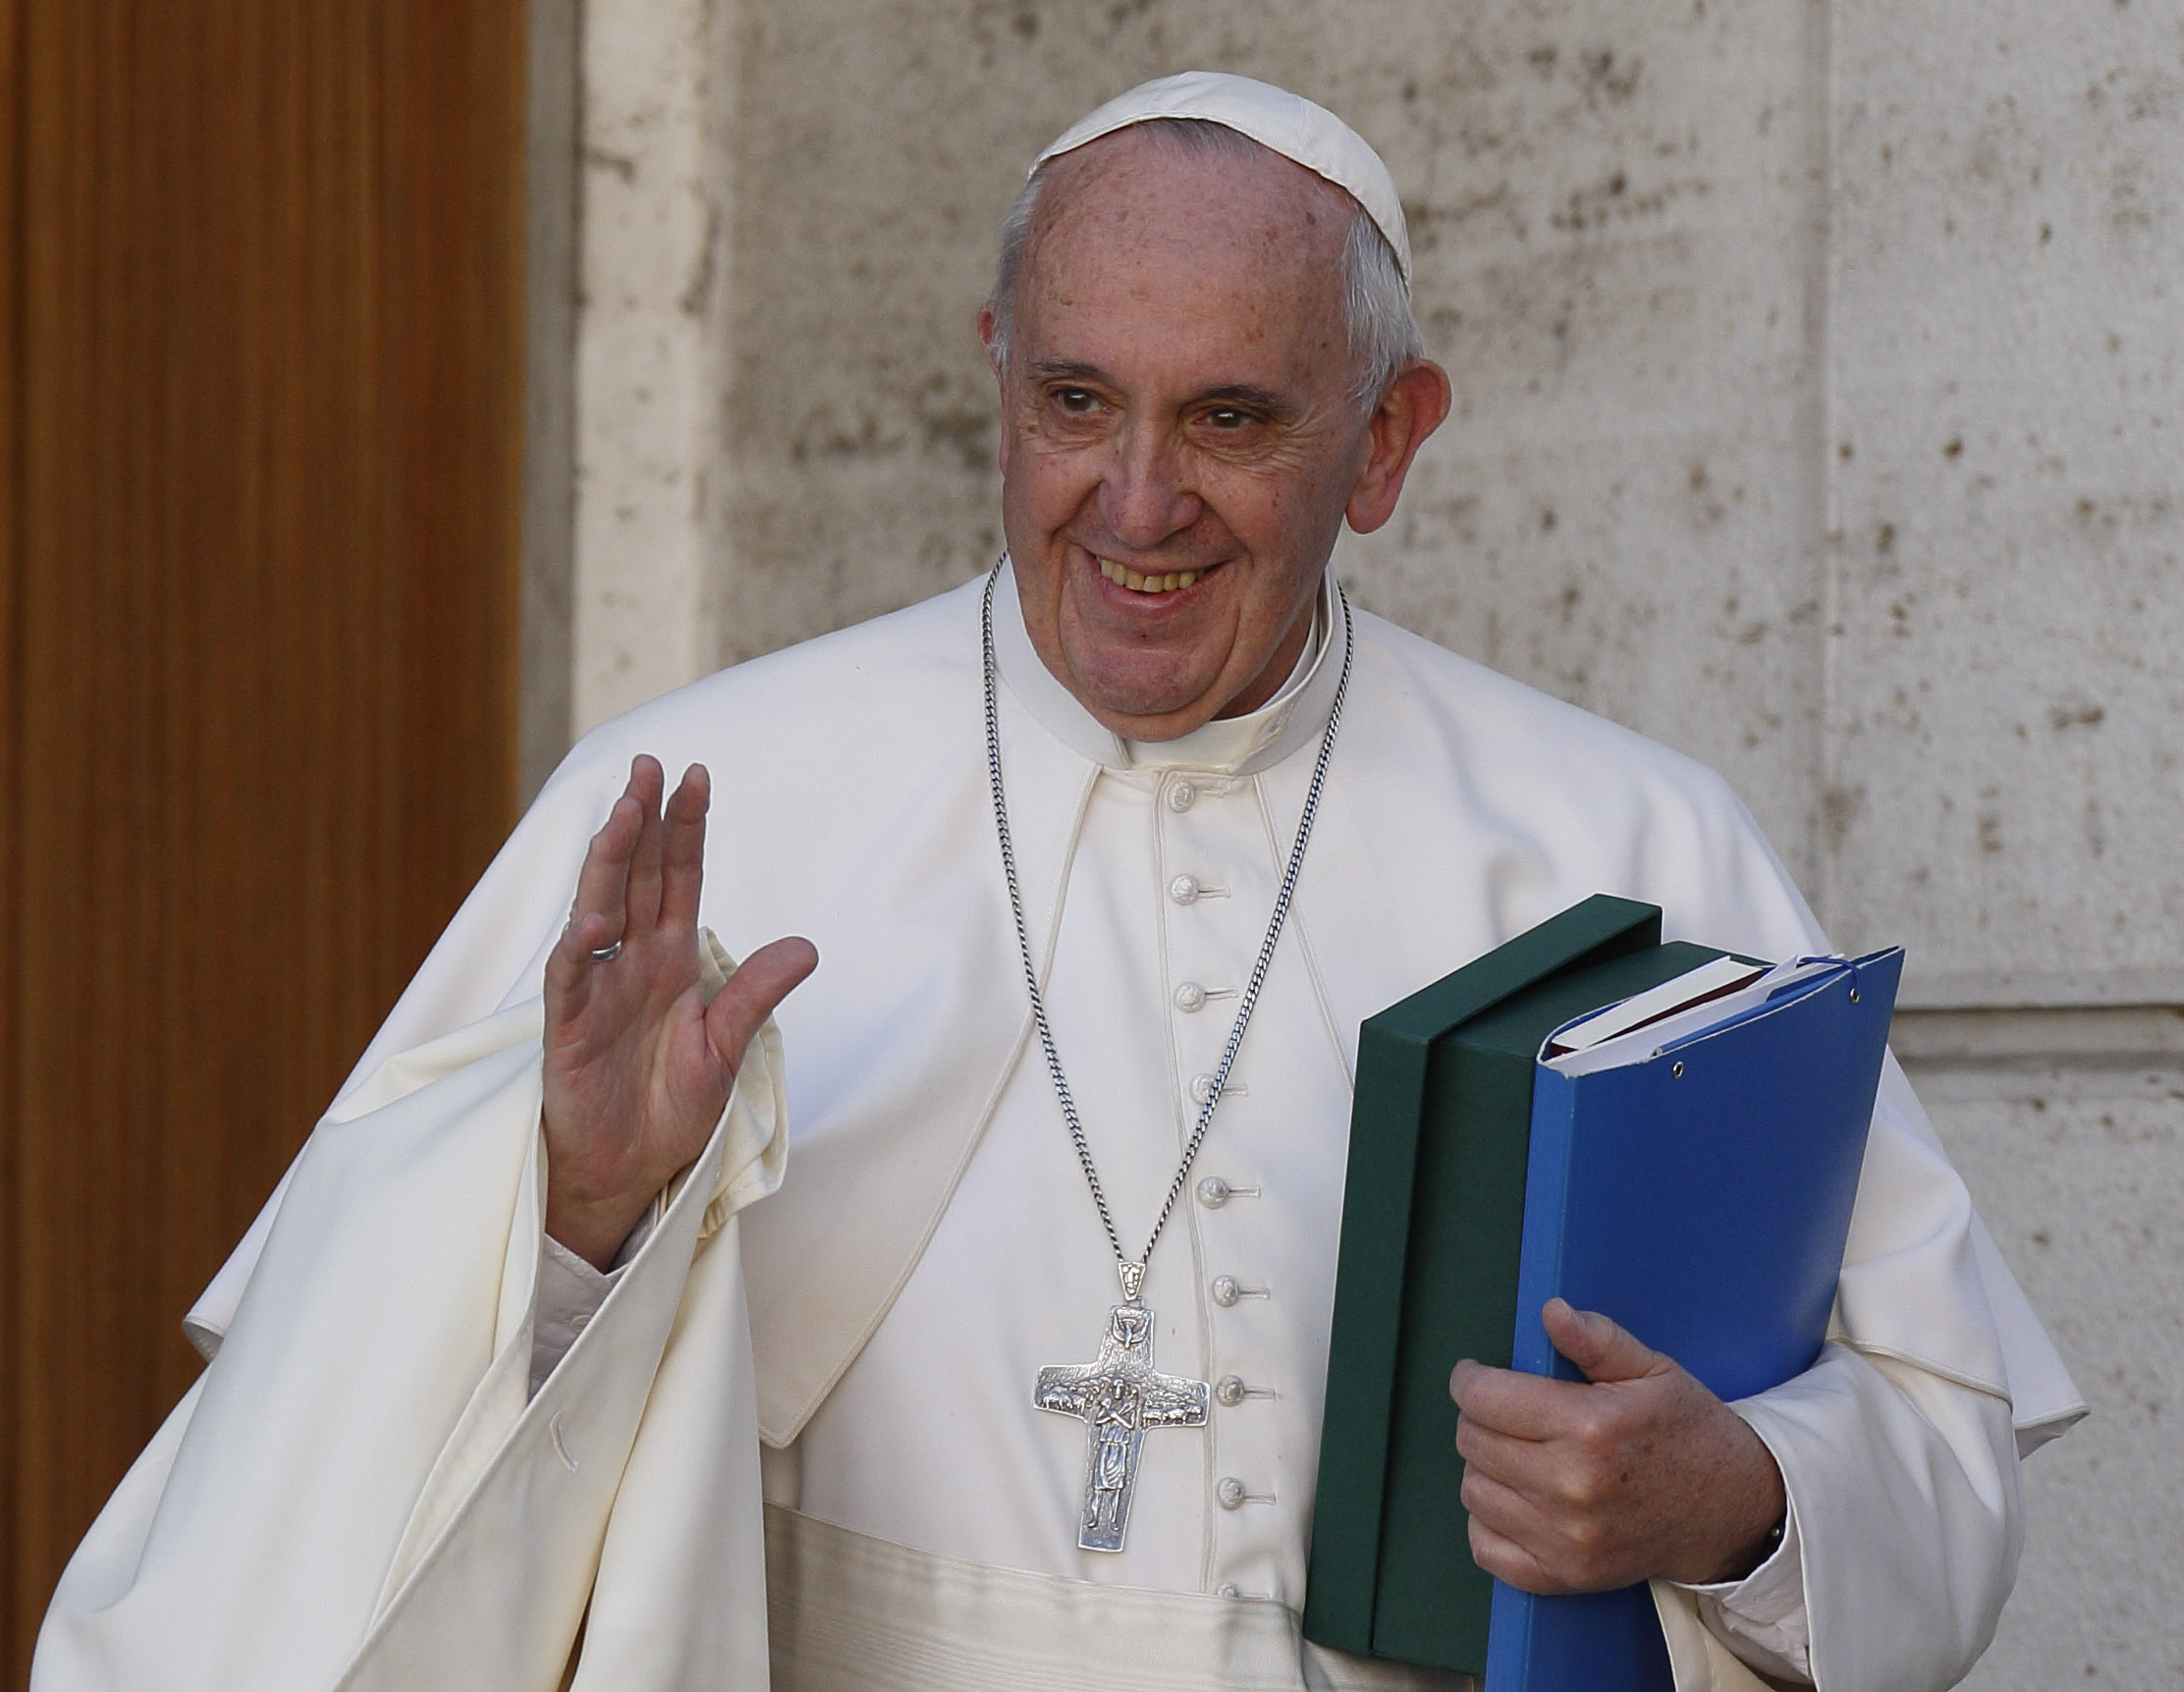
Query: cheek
{"points": [[1045, 483], [1284, 504], [1252, 504], [1288, 525]]}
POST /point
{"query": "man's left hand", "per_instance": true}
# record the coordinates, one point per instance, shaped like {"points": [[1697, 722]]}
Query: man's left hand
{"points": [[1638, 1473]]}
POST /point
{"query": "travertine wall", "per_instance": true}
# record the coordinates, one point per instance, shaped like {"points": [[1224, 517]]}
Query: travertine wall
{"points": [[1821, 381]]}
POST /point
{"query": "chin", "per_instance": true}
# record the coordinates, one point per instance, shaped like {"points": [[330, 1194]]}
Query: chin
{"points": [[1127, 673], [1149, 711], [1138, 702]]}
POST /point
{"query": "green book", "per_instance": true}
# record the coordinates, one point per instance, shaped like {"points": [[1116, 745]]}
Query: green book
{"points": [[1433, 1215]]}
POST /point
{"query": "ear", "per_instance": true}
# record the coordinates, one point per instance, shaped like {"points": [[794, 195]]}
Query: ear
{"points": [[986, 328], [1415, 405]]}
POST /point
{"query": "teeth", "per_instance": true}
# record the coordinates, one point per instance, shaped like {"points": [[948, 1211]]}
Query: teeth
{"points": [[1125, 576]]}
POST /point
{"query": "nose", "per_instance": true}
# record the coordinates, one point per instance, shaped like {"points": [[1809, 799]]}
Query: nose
{"points": [[1146, 497]]}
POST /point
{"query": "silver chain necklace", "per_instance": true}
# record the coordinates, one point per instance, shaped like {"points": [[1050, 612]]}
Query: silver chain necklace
{"points": [[1121, 1394]]}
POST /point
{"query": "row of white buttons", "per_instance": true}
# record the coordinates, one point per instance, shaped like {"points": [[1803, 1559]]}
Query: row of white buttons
{"points": [[1230, 1492]]}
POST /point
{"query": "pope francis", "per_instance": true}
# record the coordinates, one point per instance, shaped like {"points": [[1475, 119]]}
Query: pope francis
{"points": [[587, 1343]]}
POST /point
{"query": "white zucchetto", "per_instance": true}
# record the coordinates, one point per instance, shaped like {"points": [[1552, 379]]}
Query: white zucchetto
{"points": [[1288, 123]]}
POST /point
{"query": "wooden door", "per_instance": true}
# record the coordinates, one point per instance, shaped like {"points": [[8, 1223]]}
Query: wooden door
{"points": [[260, 417]]}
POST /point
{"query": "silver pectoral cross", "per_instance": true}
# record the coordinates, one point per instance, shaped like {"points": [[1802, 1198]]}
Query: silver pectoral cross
{"points": [[1118, 1396]]}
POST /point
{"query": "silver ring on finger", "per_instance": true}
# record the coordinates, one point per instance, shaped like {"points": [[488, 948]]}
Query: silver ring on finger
{"points": [[607, 953]]}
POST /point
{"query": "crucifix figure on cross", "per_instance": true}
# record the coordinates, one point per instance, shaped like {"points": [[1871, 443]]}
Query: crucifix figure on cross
{"points": [[1118, 1396]]}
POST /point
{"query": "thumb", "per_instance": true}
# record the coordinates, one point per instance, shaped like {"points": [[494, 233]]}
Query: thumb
{"points": [[1597, 1345], [760, 983]]}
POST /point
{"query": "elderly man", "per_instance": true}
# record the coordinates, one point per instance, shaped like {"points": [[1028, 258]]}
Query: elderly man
{"points": [[1107, 854]]}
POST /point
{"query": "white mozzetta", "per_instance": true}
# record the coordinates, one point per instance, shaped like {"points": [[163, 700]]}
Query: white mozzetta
{"points": [[932, 1244], [362, 1490]]}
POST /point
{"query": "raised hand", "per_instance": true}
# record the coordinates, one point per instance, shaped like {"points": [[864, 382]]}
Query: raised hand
{"points": [[1638, 1473], [637, 1066]]}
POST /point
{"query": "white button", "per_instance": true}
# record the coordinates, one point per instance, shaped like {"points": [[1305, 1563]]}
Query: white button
{"points": [[1190, 997], [1183, 890], [1226, 1290], [1182, 796], [1230, 1390], [1228, 1589], [1229, 1493], [580, 1322], [1201, 1088], [1214, 1192]]}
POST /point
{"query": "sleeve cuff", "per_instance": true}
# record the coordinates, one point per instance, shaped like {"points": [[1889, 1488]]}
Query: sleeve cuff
{"points": [[571, 1292]]}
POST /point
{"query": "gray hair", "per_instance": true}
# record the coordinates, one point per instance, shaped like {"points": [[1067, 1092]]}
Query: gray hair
{"points": [[1376, 305]]}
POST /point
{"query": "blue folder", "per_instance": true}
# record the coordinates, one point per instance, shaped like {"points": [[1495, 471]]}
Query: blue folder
{"points": [[1700, 1198]]}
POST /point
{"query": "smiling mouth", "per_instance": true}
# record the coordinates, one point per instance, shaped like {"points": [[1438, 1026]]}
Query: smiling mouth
{"points": [[1149, 584]]}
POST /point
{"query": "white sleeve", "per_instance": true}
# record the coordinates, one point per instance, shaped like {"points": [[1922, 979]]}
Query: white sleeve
{"points": [[1762, 1617], [1905, 1523]]}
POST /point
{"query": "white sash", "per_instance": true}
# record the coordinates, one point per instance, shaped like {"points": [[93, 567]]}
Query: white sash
{"points": [[847, 1613]]}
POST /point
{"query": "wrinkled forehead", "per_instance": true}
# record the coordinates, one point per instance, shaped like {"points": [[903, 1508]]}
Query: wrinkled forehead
{"points": [[1208, 269], [1192, 192]]}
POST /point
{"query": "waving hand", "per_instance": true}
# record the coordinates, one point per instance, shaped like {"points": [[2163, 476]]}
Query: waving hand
{"points": [[637, 1066]]}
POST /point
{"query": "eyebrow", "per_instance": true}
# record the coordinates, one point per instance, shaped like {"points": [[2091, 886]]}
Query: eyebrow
{"points": [[1060, 369], [1232, 393]]}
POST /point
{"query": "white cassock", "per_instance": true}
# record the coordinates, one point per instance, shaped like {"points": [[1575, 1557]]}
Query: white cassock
{"points": [[363, 1490]]}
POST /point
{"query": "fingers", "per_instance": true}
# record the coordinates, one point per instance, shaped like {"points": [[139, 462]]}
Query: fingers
{"points": [[683, 851], [1508, 1457], [1510, 1562], [1565, 1481], [1534, 1405], [619, 886], [762, 982], [1523, 1406], [641, 895], [599, 915], [1551, 1520], [1597, 1345]]}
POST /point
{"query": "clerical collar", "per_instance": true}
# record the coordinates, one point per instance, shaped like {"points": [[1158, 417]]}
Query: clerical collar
{"points": [[1289, 722]]}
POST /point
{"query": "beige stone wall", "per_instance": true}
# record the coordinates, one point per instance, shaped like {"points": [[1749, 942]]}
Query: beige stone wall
{"points": [[1821, 376], [2075, 1161]]}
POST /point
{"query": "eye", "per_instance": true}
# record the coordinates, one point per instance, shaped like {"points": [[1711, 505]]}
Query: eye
{"points": [[1077, 401], [1227, 417]]}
